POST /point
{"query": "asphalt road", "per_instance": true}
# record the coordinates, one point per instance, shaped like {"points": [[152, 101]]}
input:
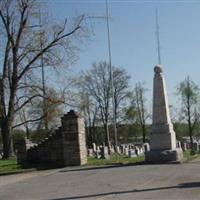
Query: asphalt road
{"points": [[175, 181]]}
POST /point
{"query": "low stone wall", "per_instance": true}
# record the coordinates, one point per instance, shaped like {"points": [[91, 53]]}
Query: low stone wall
{"points": [[66, 146], [49, 150]]}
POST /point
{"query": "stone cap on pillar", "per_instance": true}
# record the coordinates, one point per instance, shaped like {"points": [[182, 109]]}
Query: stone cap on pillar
{"points": [[71, 114], [158, 69]]}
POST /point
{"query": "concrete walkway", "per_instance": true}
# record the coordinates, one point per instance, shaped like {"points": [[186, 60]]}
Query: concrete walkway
{"points": [[175, 181]]}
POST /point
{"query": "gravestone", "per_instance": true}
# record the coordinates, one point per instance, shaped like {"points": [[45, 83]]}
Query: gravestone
{"points": [[126, 151], [178, 144], [131, 153], [141, 151], [90, 152], [94, 147], [196, 146], [183, 146], [122, 149], [112, 149], [104, 152], [118, 150], [98, 153], [163, 138], [146, 147], [136, 150], [1, 151]]}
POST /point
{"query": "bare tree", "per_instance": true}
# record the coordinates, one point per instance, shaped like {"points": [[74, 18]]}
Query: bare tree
{"points": [[189, 96], [121, 91], [53, 103], [21, 52], [96, 82], [138, 110], [89, 108]]}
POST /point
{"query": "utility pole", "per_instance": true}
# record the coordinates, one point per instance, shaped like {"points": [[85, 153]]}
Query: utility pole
{"points": [[43, 76], [111, 76], [158, 37]]}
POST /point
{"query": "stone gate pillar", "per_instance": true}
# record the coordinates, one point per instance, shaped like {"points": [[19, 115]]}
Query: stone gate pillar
{"points": [[163, 138], [74, 141]]}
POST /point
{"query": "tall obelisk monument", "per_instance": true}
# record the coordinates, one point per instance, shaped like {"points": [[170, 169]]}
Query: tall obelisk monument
{"points": [[163, 138]]}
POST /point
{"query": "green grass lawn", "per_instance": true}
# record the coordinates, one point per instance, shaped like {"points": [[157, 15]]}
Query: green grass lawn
{"points": [[189, 157], [122, 159], [115, 159], [9, 166]]}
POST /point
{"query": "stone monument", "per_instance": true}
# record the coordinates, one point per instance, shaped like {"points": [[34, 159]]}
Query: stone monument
{"points": [[163, 147], [74, 142]]}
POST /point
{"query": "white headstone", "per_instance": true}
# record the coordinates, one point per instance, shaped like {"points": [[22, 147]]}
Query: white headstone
{"points": [[94, 147]]}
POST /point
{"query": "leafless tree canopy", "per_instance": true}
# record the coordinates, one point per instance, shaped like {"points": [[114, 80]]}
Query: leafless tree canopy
{"points": [[96, 84], [189, 96], [24, 40]]}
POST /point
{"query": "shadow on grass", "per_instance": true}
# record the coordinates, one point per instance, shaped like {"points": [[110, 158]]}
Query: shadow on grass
{"points": [[180, 186]]}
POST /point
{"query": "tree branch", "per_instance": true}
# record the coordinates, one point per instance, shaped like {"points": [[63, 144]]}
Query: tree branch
{"points": [[29, 121], [51, 44], [28, 101]]}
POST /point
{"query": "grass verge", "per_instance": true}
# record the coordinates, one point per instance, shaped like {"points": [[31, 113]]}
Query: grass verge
{"points": [[188, 156], [124, 160], [115, 159], [10, 166]]}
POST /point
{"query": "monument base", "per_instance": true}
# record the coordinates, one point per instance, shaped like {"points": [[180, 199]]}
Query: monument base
{"points": [[164, 156]]}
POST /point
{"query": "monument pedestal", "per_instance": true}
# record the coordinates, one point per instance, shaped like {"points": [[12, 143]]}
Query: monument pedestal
{"points": [[164, 156], [163, 148]]}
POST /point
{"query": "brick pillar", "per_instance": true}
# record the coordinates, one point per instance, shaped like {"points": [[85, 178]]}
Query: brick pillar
{"points": [[74, 141]]}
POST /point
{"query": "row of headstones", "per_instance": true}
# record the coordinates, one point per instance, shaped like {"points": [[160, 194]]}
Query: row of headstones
{"points": [[186, 145], [129, 150]]}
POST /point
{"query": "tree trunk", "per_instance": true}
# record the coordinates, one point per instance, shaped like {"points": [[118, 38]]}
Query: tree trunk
{"points": [[143, 133], [90, 139], [6, 131], [107, 137], [191, 142], [94, 135], [190, 135], [189, 123]]}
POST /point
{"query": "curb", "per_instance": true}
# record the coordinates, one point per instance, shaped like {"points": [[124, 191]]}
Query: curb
{"points": [[18, 172]]}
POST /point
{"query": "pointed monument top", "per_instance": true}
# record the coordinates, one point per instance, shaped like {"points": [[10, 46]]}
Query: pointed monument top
{"points": [[158, 69]]}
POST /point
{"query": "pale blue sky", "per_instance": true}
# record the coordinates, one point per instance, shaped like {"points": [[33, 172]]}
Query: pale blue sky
{"points": [[133, 39]]}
